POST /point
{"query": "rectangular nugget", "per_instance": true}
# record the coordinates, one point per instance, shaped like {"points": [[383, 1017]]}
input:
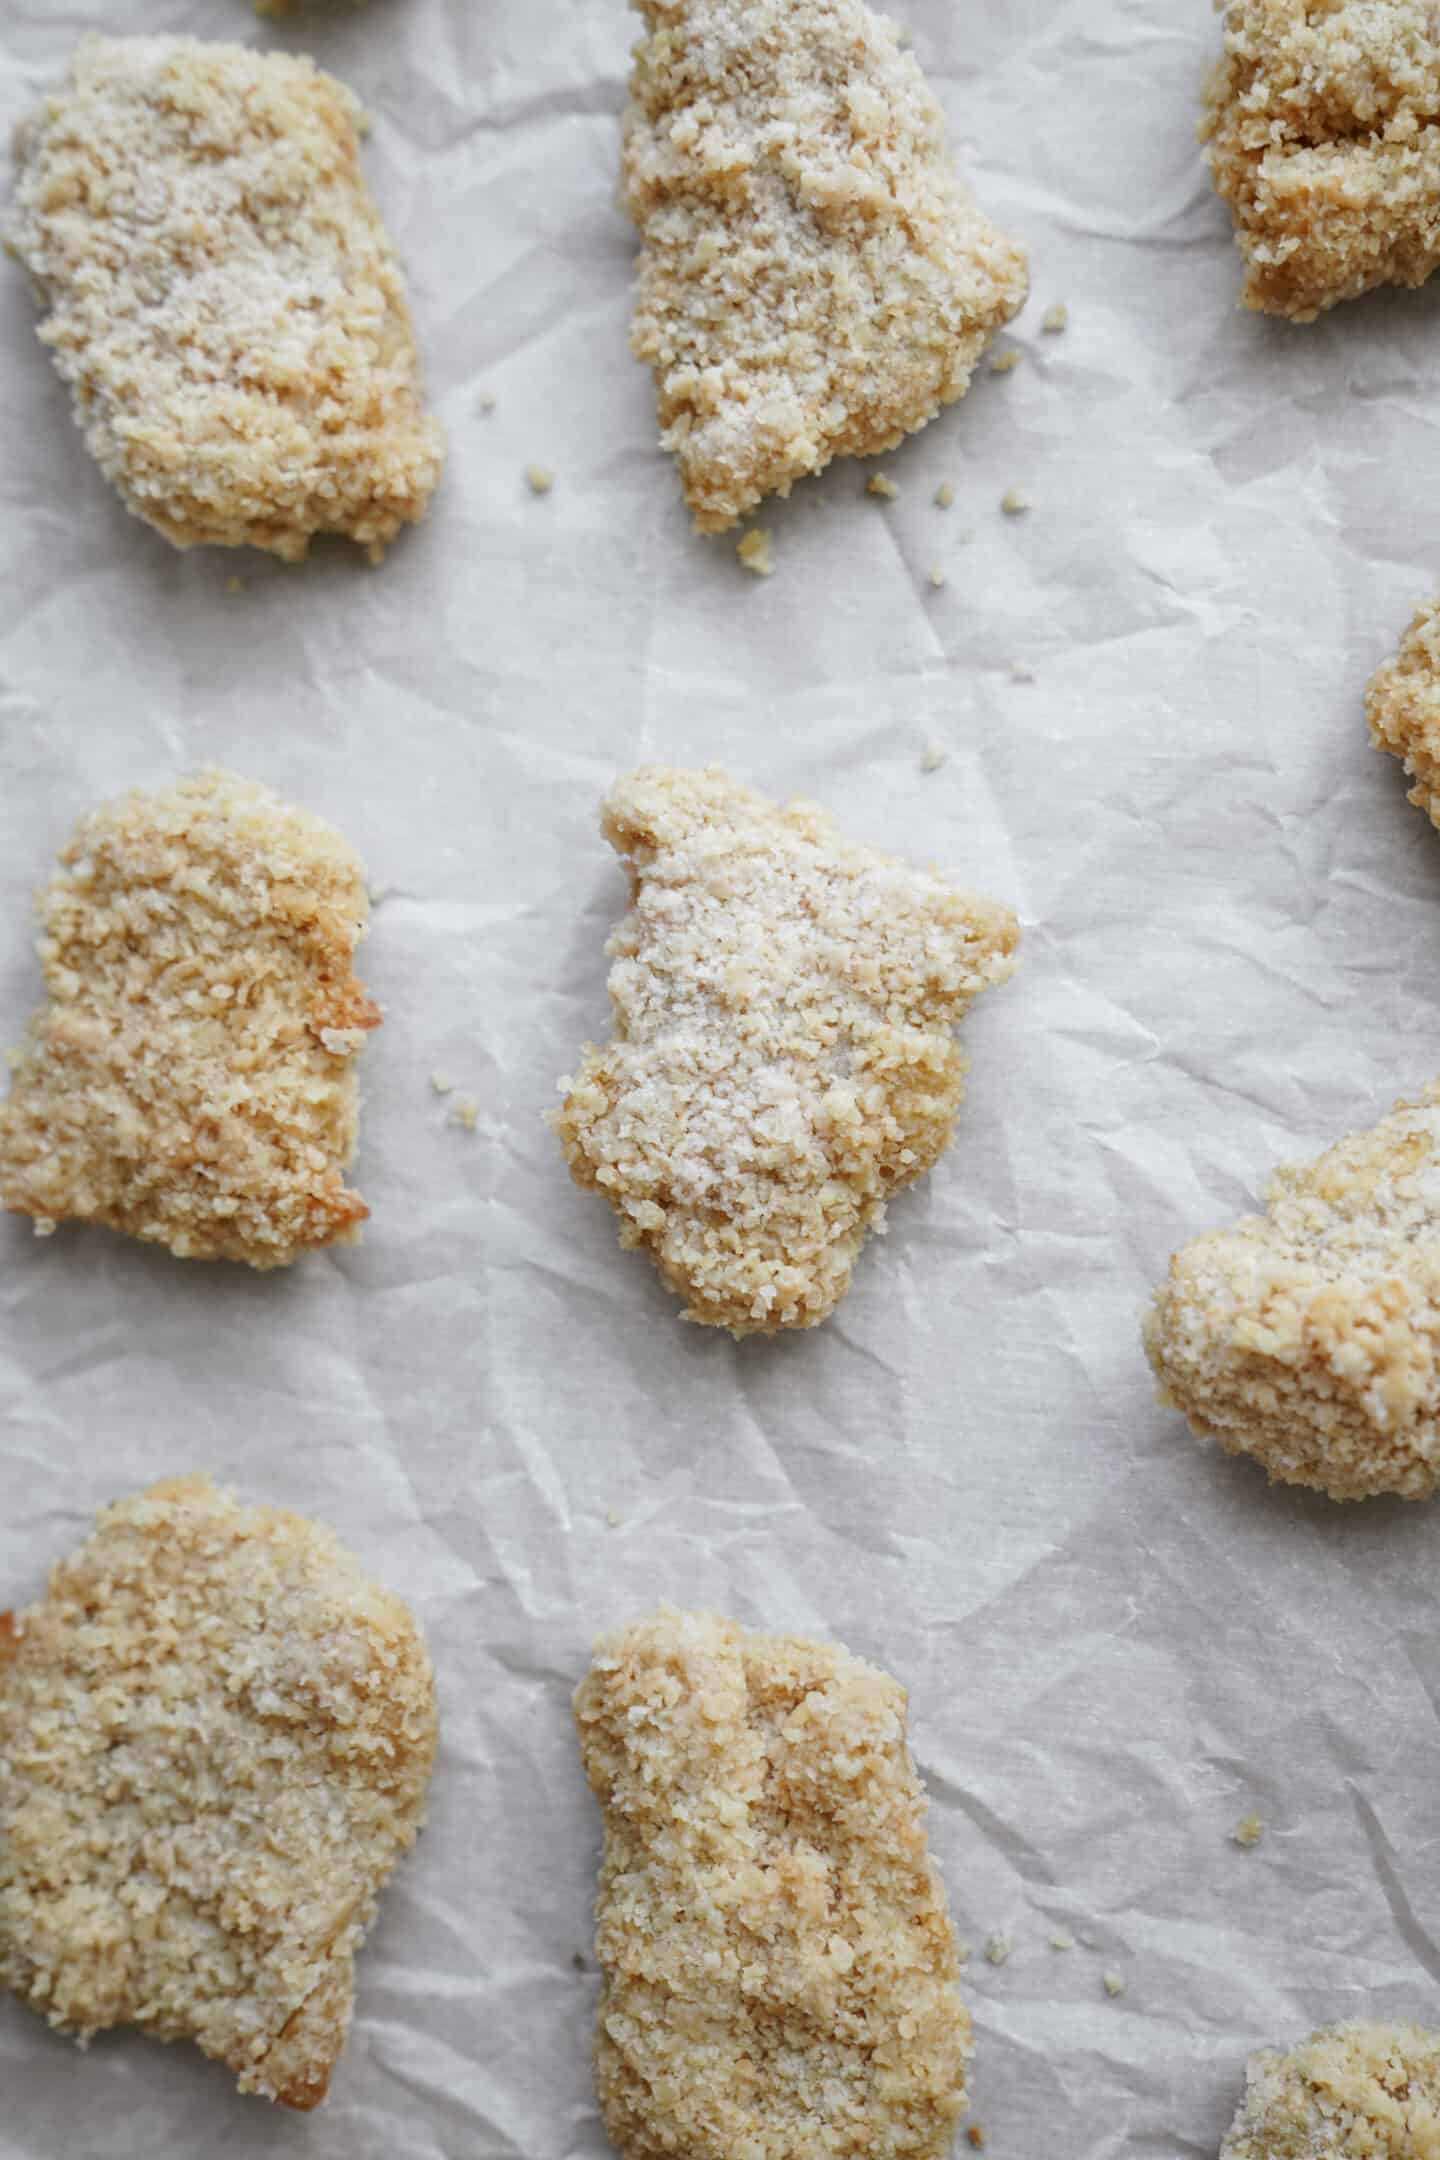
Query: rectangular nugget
{"points": [[779, 1965]]}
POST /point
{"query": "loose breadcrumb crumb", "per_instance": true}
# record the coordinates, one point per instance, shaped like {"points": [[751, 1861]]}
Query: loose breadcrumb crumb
{"points": [[814, 281], [779, 1973], [933, 757], [465, 1112], [1322, 140], [614, 1518], [963, 1953], [221, 296], [1062, 1939], [539, 479], [756, 552], [1014, 501], [944, 495], [1005, 363], [191, 1080], [215, 1738], [783, 1056], [442, 1083], [882, 485], [1249, 1831], [1359, 2089], [936, 576], [998, 1948], [975, 2136], [1402, 706], [1055, 319], [486, 401], [1114, 1984], [1307, 1337]]}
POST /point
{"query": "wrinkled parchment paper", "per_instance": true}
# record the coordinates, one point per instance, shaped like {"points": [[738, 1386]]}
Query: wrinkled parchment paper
{"points": [[1117, 1642]]}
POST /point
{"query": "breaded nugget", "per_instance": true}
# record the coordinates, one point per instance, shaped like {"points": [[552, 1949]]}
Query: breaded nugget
{"points": [[191, 1080], [784, 1054], [814, 281], [1323, 139], [215, 1738], [221, 295], [779, 1965], [1349, 2092], [1402, 705], [1307, 1337]]}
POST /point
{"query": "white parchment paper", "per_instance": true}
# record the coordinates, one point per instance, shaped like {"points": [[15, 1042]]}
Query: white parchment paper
{"points": [[1117, 1642]]}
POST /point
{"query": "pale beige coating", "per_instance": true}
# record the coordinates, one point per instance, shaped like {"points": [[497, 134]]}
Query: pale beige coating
{"points": [[191, 1080], [1323, 124], [1308, 1337], [221, 295], [780, 1976], [1350, 2092], [814, 281], [1402, 705], [784, 1054], [215, 1738]]}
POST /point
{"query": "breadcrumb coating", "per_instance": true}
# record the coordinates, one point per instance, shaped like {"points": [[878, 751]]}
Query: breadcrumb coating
{"points": [[191, 1080], [814, 281], [784, 1054], [215, 1738], [1323, 124], [779, 1969], [221, 296], [1402, 705], [1350, 2092], [1307, 1337]]}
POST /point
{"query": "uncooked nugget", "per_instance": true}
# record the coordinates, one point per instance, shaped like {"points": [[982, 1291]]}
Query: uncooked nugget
{"points": [[784, 1054], [221, 295], [1403, 707], [814, 281], [215, 1738], [1307, 1337], [1323, 123], [191, 1080], [1349, 2092], [780, 1976]]}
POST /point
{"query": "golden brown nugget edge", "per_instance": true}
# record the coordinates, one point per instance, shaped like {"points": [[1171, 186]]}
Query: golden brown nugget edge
{"points": [[1307, 1337], [780, 1974], [191, 1081], [221, 296], [215, 1737], [814, 282], [1320, 124], [1402, 705], [1349, 2090], [783, 1056]]}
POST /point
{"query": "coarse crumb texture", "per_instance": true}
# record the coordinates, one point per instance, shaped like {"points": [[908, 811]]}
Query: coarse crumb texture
{"points": [[1349, 2092], [191, 1080], [814, 281], [1402, 705], [221, 295], [784, 1053], [215, 1738], [1307, 1337], [1323, 123], [779, 1970]]}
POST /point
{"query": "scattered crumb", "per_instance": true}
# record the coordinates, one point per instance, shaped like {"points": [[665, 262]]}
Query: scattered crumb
{"points": [[1055, 319], [1014, 501], [614, 1518], [379, 894], [234, 584], [882, 485], [964, 1951], [1249, 1831], [486, 401], [442, 1083], [937, 576], [1020, 673], [578, 1961], [975, 2136], [998, 1949], [944, 495], [756, 552], [539, 479], [932, 757], [465, 1111], [1062, 1939], [1114, 1985], [1005, 363]]}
